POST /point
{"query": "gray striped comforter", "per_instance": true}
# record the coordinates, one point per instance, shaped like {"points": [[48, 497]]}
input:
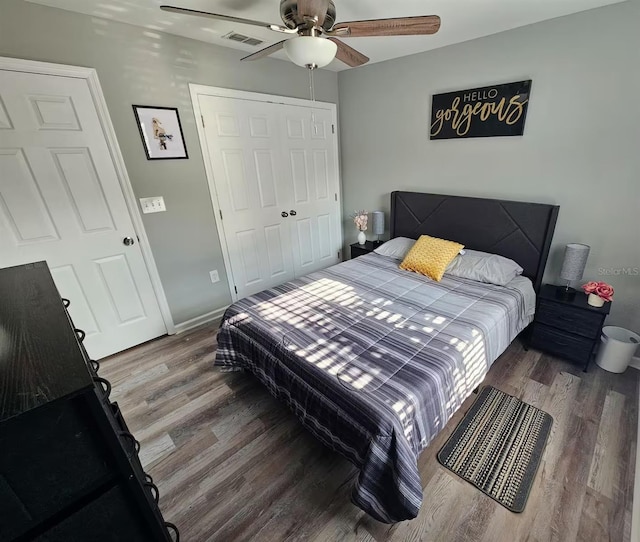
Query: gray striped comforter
{"points": [[374, 361]]}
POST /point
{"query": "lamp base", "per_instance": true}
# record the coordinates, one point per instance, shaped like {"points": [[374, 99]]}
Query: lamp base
{"points": [[565, 294], [378, 241]]}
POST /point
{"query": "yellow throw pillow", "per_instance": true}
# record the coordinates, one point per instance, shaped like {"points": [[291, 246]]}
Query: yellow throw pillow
{"points": [[430, 256]]}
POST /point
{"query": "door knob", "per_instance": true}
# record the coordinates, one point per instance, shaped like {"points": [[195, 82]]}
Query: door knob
{"points": [[128, 241], [293, 212], [284, 214]]}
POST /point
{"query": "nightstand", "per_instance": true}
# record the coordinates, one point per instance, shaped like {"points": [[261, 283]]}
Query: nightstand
{"points": [[568, 329], [358, 250]]}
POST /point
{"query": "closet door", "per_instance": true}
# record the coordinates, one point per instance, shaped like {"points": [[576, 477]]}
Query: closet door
{"points": [[275, 179], [310, 167], [243, 143]]}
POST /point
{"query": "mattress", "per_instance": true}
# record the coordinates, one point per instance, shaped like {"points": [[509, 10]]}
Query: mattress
{"points": [[374, 361]]}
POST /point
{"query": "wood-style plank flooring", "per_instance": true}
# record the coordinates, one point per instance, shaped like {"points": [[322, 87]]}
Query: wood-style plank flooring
{"points": [[232, 463]]}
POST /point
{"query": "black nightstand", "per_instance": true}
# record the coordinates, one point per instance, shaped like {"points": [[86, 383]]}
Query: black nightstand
{"points": [[568, 329], [358, 250]]}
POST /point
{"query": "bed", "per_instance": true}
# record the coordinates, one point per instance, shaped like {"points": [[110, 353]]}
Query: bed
{"points": [[374, 360]]}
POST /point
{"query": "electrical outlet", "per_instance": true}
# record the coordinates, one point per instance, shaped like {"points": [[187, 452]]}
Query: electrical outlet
{"points": [[152, 205], [214, 276]]}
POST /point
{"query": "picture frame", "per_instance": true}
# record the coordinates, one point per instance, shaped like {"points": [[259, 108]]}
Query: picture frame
{"points": [[161, 132]]}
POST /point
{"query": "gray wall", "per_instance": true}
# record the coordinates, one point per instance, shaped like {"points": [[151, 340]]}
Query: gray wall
{"points": [[580, 149], [137, 66]]}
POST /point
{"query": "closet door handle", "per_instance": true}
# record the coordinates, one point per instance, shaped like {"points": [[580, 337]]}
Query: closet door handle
{"points": [[284, 214], [293, 212]]}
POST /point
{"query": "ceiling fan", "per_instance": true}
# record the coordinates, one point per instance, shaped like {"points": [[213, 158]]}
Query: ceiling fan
{"points": [[313, 22]]}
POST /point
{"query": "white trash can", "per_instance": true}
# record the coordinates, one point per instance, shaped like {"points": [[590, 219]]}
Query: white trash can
{"points": [[617, 348]]}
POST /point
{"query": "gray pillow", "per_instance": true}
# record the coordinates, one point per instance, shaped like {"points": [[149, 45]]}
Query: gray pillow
{"points": [[484, 267], [396, 247]]}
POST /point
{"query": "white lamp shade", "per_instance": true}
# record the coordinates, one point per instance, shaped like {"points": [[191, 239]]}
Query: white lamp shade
{"points": [[377, 222], [575, 260], [308, 51]]}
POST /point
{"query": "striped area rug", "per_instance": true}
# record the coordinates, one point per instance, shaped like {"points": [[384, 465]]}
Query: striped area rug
{"points": [[498, 447]]}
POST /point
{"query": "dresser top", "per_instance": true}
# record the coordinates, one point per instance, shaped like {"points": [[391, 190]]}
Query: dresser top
{"points": [[40, 359]]}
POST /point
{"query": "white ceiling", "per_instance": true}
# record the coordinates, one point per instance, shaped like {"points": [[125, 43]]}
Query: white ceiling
{"points": [[462, 20]]}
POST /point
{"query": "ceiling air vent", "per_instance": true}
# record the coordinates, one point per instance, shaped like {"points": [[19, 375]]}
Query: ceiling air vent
{"points": [[241, 38]]}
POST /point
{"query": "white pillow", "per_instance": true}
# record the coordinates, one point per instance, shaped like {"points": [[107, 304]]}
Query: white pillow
{"points": [[396, 247], [484, 267]]}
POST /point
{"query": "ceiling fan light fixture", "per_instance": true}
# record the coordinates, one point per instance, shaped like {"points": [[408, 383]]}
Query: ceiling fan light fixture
{"points": [[310, 51]]}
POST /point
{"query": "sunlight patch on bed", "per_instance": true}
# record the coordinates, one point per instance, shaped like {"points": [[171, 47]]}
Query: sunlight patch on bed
{"points": [[435, 320], [311, 307], [326, 355], [404, 409], [309, 304], [474, 367], [358, 378], [240, 317]]}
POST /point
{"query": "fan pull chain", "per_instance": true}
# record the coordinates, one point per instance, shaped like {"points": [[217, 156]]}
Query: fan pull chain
{"points": [[312, 92]]}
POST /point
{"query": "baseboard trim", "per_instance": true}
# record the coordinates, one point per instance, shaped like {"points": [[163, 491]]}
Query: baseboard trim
{"points": [[201, 320], [635, 363]]}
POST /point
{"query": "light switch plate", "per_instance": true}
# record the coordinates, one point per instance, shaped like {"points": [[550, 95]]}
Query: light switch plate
{"points": [[214, 276], [152, 205]]}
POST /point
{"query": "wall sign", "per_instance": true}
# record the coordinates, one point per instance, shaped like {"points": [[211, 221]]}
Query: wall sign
{"points": [[499, 110]]}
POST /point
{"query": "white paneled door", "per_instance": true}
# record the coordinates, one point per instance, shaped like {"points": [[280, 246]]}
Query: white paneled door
{"points": [[274, 167], [61, 201], [310, 168], [244, 146]]}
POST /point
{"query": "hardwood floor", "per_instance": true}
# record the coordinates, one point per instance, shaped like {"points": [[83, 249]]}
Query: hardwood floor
{"points": [[232, 463]]}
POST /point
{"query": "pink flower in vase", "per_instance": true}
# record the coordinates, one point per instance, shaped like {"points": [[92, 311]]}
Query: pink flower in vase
{"points": [[605, 291], [360, 219], [601, 289], [590, 287]]}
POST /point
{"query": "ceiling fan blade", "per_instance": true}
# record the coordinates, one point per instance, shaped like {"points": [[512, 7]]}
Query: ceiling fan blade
{"points": [[313, 8], [349, 55], [403, 26], [266, 51], [228, 18]]}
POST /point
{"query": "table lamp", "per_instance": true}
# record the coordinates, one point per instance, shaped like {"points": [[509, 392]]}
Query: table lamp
{"points": [[575, 260], [377, 225]]}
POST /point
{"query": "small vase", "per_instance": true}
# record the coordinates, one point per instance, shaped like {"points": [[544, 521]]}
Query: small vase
{"points": [[362, 238], [595, 300]]}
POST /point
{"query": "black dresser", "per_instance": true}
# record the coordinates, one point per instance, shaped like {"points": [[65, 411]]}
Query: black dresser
{"points": [[69, 467], [567, 328]]}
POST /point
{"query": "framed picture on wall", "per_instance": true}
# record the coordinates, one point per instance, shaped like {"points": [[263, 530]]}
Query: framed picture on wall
{"points": [[161, 132]]}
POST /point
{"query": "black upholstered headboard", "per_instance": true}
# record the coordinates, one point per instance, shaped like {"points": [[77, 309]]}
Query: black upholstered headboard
{"points": [[518, 230]]}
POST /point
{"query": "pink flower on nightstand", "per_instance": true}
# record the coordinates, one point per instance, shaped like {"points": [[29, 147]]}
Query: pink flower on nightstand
{"points": [[590, 287], [605, 291], [601, 289]]}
